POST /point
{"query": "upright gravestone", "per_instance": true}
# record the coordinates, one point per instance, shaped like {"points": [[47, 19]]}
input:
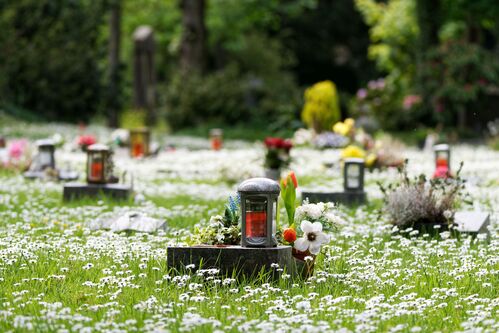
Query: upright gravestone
{"points": [[143, 70]]}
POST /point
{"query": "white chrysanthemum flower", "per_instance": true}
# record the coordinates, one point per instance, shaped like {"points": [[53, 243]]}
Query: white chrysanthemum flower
{"points": [[312, 239]]}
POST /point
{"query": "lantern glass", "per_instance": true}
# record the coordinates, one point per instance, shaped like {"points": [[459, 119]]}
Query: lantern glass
{"points": [[354, 174], [256, 217], [442, 158], [99, 164], [258, 212], [139, 142], [216, 138], [46, 157], [96, 167]]}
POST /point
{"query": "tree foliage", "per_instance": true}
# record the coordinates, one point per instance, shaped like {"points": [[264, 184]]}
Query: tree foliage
{"points": [[50, 55]]}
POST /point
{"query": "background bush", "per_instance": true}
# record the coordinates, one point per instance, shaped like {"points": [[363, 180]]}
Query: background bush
{"points": [[50, 56]]}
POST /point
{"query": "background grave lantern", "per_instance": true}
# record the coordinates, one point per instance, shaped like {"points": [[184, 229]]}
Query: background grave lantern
{"points": [[100, 178], [99, 164], [258, 212], [442, 155], [353, 186], [216, 138], [43, 165], [45, 158], [140, 139], [353, 175]]}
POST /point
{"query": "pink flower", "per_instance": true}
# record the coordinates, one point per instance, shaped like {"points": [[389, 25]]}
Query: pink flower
{"points": [[380, 84], [410, 101], [86, 140], [362, 93], [278, 143], [17, 148], [442, 172]]}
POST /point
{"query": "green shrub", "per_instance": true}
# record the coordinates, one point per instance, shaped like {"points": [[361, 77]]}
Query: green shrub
{"points": [[462, 78], [252, 88], [49, 57], [322, 107]]}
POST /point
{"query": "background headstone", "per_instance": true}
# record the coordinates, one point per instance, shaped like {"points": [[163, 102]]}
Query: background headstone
{"points": [[144, 77]]}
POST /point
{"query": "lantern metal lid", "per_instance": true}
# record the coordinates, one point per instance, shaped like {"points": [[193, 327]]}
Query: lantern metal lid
{"points": [[141, 130], [43, 143], [259, 185], [98, 147], [216, 132], [354, 160], [441, 147]]}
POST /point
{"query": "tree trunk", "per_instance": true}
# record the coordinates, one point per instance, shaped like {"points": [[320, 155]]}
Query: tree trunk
{"points": [[114, 98], [429, 21], [192, 47]]}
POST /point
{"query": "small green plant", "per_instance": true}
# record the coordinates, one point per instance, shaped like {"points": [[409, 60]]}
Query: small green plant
{"points": [[221, 230]]}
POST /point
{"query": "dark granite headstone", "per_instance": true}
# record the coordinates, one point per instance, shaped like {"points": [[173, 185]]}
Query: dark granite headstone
{"points": [[244, 261], [346, 198], [74, 191]]}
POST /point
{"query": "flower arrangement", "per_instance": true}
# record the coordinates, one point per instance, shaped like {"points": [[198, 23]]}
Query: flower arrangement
{"points": [[313, 219], [277, 154], [322, 107], [222, 229], [353, 151], [346, 128], [17, 156], [379, 154], [419, 202], [86, 140], [303, 137], [330, 140]]}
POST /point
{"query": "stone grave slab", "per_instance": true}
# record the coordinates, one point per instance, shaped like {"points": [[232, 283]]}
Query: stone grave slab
{"points": [[346, 198], [63, 175], [75, 191], [473, 223], [245, 261]]}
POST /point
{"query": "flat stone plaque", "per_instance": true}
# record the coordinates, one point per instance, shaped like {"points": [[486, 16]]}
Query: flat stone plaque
{"points": [[75, 191], [63, 175], [243, 261], [346, 198], [472, 222]]}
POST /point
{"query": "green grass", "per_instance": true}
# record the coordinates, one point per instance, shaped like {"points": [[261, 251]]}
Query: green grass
{"points": [[56, 273], [351, 269]]}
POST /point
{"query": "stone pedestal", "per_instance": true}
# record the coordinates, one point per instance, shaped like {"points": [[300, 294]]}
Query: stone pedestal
{"points": [[346, 198], [75, 191], [243, 261]]}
